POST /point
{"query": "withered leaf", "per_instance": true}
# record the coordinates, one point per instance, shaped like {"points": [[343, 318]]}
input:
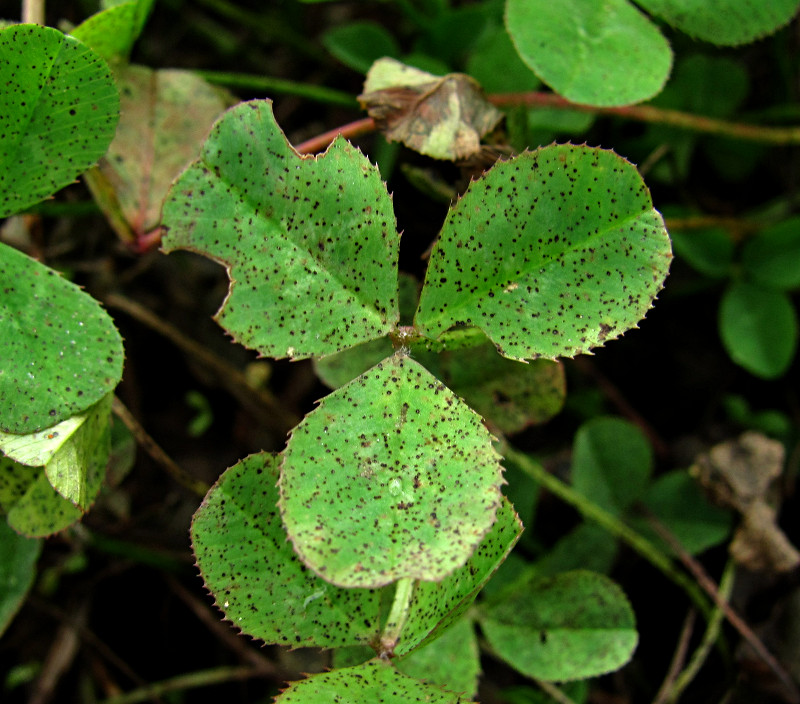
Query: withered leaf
{"points": [[443, 117]]}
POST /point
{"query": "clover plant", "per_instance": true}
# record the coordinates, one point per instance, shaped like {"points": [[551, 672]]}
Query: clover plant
{"points": [[390, 490]]}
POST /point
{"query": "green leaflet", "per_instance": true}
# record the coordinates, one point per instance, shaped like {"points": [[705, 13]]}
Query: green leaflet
{"points": [[58, 111], [373, 682], [726, 22], [60, 350], [18, 556], [551, 253], [604, 54], [391, 476], [572, 626], [310, 243], [113, 32]]}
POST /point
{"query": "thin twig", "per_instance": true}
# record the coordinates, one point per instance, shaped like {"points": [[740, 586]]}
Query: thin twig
{"points": [[258, 401], [33, 11], [709, 587], [203, 678], [678, 658], [553, 692], [650, 113], [152, 448], [320, 142]]}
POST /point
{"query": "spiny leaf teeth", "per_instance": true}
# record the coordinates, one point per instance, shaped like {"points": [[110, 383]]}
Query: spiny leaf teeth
{"points": [[310, 242], [550, 254], [257, 580], [391, 476]]}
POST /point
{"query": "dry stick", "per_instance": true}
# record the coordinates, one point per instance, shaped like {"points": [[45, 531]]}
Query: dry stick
{"points": [[152, 448], [678, 658], [33, 11], [710, 588], [648, 113], [352, 129], [258, 401], [553, 692]]}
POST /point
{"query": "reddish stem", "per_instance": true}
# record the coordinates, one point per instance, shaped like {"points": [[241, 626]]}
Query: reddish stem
{"points": [[352, 129]]}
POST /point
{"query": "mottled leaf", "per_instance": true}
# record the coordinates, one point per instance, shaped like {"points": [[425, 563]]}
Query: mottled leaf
{"points": [[392, 476], [443, 117], [59, 350], [435, 606], [73, 452], [113, 32], [451, 661], [58, 111], [611, 463], [257, 580], [165, 115], [310, 243], [726, 22], [551, 253], [594, 53], [373, 682], [18, 556], [27, 496], [572, 626], [759, 328]]}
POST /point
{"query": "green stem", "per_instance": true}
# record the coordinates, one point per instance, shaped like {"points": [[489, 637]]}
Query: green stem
{"points": [[191, 680], [397, 616], [709, 637], [321, 94], [663, 116], [609, 522]]}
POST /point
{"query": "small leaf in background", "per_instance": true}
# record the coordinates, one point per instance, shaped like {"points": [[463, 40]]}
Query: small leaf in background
{"points": [[772, 257], [61, 352], [604, 54], [373, 682], [451, 661], [391, 476], [312, 261], [678, 503], [443, 117], [724, 22], [435, 606], [112, 33], [709, 251], [550, 253], [337, 369], [359, 44], [256, 578], [58, 111], [453, 33], [572, 626], [165, 115], [587, 547], [758, 327], [509, 394], [611, 463], [73, 452], [495, 64], [18, 556]]}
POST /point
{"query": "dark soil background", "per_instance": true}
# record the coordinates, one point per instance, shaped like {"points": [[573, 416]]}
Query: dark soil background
{"points": [[119, 597]]}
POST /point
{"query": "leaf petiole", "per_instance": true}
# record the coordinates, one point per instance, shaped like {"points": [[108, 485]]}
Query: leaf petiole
{"points": [[397, 616]]}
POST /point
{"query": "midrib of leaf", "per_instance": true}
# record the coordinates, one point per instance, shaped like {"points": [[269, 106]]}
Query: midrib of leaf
{"points": [[256, 210], [468, 299]]}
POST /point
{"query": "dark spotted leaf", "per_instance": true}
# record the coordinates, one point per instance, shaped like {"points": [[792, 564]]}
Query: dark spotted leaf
{"points": [[58, 111], [550, 254], [257, 580], [391, 477], [165, 114], [443, 117], [572, 626], [310, 243], [59, 350], [435, 606], [373, 682]]}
